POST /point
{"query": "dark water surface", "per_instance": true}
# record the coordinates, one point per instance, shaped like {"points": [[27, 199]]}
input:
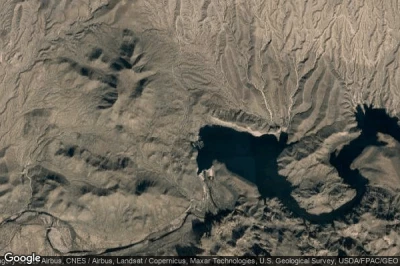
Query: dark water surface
{"points": [[255, 159]]}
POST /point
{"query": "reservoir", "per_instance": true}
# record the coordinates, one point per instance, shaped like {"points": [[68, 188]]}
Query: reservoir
{"points": [[255, 159]]}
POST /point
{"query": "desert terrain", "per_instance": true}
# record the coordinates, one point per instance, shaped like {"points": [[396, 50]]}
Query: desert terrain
{"points": [[200, 127]]}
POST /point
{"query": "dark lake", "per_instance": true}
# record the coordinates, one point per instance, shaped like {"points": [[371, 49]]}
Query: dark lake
{"points": [[255, 159]]}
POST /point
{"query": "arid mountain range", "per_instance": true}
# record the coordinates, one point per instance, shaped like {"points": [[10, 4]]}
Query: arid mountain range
{"points": [[200, 127]]}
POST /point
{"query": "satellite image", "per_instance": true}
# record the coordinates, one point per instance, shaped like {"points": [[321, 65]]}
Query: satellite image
{"points": [[200, 127]]}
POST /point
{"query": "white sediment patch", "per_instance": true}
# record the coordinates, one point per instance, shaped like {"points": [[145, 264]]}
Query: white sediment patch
{"points": [[247, 129]]}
